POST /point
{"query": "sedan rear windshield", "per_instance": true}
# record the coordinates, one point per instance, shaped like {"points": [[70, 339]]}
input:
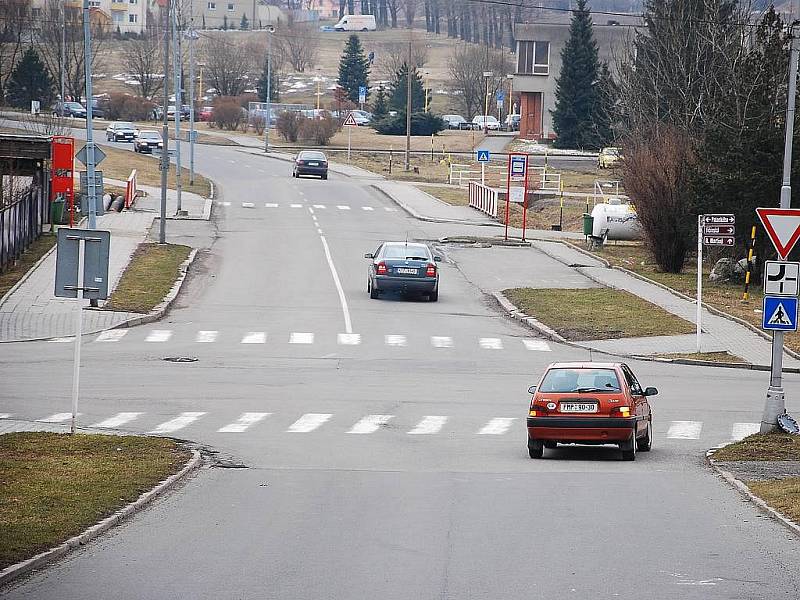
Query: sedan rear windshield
{"points": [[565, 381], [312, 156], [407, 252]]}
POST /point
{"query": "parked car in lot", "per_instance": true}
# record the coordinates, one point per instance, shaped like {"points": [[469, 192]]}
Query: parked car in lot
{"points": [[99, 108], [147, 141], [590, 403], [311, 162], [486, 122], [362, 117], [206, 113], [120, 131], [609, 158], [512, 122], [456, 122], [69, 109], [403, 267]]}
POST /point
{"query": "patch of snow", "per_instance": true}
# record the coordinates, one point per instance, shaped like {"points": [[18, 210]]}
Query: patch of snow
{"points": [[534, 147]]}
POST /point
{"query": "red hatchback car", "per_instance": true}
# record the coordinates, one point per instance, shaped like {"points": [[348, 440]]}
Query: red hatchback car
{"points": [[590, 403]]}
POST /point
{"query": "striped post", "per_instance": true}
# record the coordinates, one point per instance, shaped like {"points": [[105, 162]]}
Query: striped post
{"points": [[746, 295]]}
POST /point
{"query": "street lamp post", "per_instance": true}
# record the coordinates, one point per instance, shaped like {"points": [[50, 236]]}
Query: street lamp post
{"points": [[270, 31], [510, 77], [192, 36], [426, 83], [486, 76]]}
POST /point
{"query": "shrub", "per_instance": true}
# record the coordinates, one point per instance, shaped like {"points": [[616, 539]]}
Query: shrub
{"points": [[289, 124], [421, 124], [259, 123], [228, 113], [320, 131], [127, 107]]}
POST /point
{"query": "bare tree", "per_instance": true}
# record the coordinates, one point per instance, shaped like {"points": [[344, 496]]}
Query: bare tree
{"points": [[14, 19], [45, 123], [409, 10], [394, 55], [229, 62], [394, 9], [299, 45], [142, 59], [467, 65]]}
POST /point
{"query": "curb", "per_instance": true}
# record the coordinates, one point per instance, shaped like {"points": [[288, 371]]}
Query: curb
{"points": [[14, 571], [27, 274], [742, 488], [411, 212]]}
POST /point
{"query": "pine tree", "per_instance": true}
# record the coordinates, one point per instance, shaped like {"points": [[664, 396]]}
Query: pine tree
{"points": [[576, 89], [244, 24], [353, 68], [30, 80], [274, 86], [398, 98], [379, 106], [604, 113]]}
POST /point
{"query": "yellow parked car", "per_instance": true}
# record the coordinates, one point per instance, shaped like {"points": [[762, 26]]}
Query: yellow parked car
{"points": [[609, 158]]}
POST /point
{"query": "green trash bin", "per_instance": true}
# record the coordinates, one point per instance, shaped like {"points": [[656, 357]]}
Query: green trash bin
{"points": [[588, 224], [57, 211]]}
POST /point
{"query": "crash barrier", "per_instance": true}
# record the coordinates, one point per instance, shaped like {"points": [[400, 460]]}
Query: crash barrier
{"points": [[483, 198], [21, 221], [130, 189]]}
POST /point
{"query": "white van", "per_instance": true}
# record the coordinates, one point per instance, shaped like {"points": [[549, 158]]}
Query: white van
{"points": [[356, 23]]}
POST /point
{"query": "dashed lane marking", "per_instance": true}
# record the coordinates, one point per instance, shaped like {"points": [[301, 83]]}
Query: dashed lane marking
{"points": [[158, 335], [387, 209], [395, 340], [177, 423], [440, 341], [370, 424], [301, 338], [254, 337], [57, 418], [491, 343], [112, 335], [295, 206], [537, 345], [118, 420], [320, 206], [497, 426], [349, 339], [685, 430], [343, 207], [244, 422], [428, 425], [270, 205], [308, 422], [367, 208], [248, 205], [206, 337]]}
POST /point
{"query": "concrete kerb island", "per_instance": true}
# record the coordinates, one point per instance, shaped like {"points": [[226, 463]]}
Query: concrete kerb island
{"points": [[40, 560]]}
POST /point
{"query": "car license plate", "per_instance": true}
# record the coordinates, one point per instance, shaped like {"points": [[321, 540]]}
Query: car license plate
{"points": [[406, 271], [313, 164], [579, 407]]}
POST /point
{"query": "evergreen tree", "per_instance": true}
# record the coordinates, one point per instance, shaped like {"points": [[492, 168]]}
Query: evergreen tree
{"points": [[353, 68], [604, 113], [576, 86], [398, 98], [30, 80], [244, 24], [379, 105], [274, 85]]}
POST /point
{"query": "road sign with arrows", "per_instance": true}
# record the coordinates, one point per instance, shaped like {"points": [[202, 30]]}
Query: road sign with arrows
{"points": [[782, 226]]}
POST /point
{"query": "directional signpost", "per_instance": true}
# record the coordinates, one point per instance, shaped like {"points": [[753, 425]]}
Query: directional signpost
{"points": [[712, 230], [482, 156]]}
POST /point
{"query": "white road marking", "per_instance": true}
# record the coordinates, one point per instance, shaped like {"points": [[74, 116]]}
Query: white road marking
{"points": [[295, 206], [497, 426], [57, 418], [220, 203], [387, 209], [270, 205], [348, 326], [367, 208], [206, 337], [742, 430], [308, 422], [319, 231], [438, 341], [62, 340], [112, 335], [370, 423], [158, 335], [491, 343], [5, 415], [244, 422], [320, 206], [254, 337], [311, 210], [428, 425], [118, 420], [301, 338], [248, 205], [233, 162], [261, 171], [685, 430], [342, 207], [349, 339], [395, 340], [314, 218], [537, 345], [186, 418]]}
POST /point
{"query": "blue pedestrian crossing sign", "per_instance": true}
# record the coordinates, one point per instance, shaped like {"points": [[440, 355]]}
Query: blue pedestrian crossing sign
{"points": [[780, 313], [482, 156]]}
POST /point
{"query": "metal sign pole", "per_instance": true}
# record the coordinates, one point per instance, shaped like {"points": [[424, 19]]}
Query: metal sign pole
{"points": [[483, 173], [349, 129], [699, 279], [76, 367], [525, 200], [177, 68], [508, 192], [91, 188]]}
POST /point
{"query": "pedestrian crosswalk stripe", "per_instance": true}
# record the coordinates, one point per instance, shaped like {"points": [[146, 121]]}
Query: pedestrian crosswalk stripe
{"points": [[537, 345], [370, 423], [367, 208], [220, 203], [112, 335], [742, 430], [428, 425], [244, 422], [5, 415], [248, 205], [206, 337], [395, 340], [295, 206], [491, 343], [387, 209], [254, 337], [349, 339], [438, 341], [308, 422], [685, 430], [158, 335], [177, 423], [270, 205], [320, 206], [57, 418], [497, 426], [61, 340], [343, 207], [301, 338], [118, 420]]}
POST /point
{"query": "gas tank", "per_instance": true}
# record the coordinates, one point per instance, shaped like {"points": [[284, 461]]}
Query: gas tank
{"points": [[619, 219]]}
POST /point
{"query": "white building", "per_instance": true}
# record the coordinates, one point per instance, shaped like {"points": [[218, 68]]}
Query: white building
{"points": [[129, 16]]}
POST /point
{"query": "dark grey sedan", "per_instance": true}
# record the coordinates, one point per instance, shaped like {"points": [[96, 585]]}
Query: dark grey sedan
{"points": [[311, 162], [405, 268]]}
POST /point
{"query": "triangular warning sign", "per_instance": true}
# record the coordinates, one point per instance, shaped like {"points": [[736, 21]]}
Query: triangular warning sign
{"points": [[350, 121], [779, 316], [783, 227]]}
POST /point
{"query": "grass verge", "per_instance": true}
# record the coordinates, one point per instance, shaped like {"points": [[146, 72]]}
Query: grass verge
{"points": [[35, 251], [723, 357], [781, 494], [455, 196], [148, 278], [57, 485], [762, 446], [597, 313]]}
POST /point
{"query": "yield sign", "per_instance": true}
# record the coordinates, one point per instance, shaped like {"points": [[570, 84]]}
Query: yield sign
{"points": [[783, 227], [350, 121]]}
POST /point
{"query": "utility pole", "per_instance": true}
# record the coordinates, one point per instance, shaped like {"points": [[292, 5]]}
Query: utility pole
{"points": [[63, 56], [192, 35], [775, 404], [162, 233], [91, 189], [270, 31], [177, 60], [408, 105]]}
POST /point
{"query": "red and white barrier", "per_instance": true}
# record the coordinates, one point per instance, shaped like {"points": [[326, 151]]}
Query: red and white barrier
{"points": [[130, 189], [483, 198]]}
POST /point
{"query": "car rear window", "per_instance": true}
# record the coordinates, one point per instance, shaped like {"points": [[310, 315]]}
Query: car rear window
{"points": [[312, 156], [407, 251], [564, 381]]}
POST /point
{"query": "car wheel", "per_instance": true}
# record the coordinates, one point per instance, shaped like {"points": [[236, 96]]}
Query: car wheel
{"points": [[646, 443], [434, 296], [550, 445], [325, 176], [373, 293], [629, 448], [535, 448]]}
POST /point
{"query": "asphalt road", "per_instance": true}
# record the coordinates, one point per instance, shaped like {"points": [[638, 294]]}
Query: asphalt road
{"points": [[390, 462]]}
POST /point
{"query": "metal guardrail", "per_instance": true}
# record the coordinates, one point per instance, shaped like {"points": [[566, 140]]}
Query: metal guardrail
{"points": [[21, 224], [483, 198]]}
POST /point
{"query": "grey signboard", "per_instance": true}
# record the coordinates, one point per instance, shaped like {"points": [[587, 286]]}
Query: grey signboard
{"points": [[97, 245]]}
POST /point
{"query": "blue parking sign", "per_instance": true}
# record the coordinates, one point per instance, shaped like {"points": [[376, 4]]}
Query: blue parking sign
{"points": [[780, 313]]}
